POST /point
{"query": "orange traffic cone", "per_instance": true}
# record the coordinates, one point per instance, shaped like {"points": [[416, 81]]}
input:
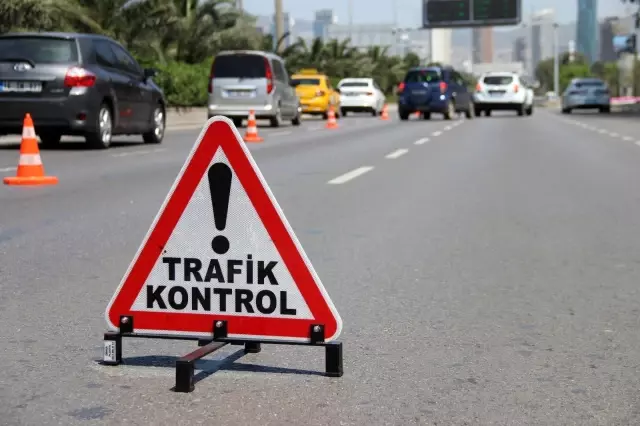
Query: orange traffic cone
{"points": [[30, 168], [385, 113], [251, 134], [332, 123]]}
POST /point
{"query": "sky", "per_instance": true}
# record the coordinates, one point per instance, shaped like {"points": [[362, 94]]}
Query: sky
{"points": [[409, 12]]}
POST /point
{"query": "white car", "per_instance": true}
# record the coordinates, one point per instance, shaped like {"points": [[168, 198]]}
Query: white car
{"points": [[502, 91], [360, 95]]}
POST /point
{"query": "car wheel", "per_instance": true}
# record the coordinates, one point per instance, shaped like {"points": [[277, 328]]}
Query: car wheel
{"points": [[101, 138], [374, 112], [343, 112], [426, 115], [297, 119], [156, 134], [277, 120], [404, 115], [450, 111], [566, 110], [530, 110], [605, 110], [470, 112], [487, 112], [50, 139], [521, 110], [477, 112]]}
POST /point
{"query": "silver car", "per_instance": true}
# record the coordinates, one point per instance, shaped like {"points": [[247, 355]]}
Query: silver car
{"points": [[586, 93], [241, 81]]}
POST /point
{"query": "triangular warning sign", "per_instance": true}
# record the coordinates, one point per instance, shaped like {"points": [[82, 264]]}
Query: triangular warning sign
{"points": [[221, 249]]}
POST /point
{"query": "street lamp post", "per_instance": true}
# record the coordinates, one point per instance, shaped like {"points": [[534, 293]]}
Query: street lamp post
{"points": [[556, 62]]}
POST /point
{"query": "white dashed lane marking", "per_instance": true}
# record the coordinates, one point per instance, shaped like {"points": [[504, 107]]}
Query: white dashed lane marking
{"points": [[438, 133], [421, 141], [350, 175], [397, 153]]}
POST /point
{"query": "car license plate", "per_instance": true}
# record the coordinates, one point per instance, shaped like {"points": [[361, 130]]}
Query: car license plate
{"points": [[20, 86], [419, 92], [240, 93], [590, 101]]}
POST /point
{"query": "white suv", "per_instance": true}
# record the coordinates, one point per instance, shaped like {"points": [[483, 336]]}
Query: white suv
{"points": [[500, 91]]}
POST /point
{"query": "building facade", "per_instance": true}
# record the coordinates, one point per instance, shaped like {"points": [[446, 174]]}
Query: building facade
{"points": [[587, 30], [441, 46], [397, 41], [519, 53], [541, 41], [323, 19], [482, 40]]}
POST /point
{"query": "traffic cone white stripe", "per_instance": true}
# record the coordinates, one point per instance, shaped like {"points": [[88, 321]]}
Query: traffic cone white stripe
{"points": [[28, 132], [30, 160]]}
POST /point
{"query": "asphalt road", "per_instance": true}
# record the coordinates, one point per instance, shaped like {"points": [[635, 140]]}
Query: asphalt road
{"points": [[486, 271]]}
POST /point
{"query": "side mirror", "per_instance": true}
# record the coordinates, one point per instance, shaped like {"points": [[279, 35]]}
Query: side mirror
{"points": [[149, 73]]}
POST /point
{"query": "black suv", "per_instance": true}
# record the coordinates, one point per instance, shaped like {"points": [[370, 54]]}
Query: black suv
{"points": [[78, 85]]}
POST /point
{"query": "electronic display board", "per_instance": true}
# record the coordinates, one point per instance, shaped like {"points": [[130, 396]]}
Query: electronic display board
{"points": [[470, 13]]}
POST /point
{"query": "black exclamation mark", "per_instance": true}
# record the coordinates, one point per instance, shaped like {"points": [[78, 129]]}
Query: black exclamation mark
{"points": [[220, 187]]}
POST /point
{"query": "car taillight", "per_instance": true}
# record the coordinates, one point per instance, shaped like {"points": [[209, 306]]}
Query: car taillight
{"points": [[516, 88], [443, 87], [401, 87], [268, 75], [369, 93], [478, 87], [79, 77], [210, 86], [319, 93]]}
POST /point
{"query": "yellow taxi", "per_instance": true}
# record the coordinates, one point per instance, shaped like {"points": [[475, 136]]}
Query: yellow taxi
{"points": [[315, 92]]}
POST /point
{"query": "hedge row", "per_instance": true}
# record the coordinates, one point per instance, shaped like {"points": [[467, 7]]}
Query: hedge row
{"points": [[184, 85]]}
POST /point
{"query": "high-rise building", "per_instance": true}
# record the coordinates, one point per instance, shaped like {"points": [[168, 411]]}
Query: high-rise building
{"points": [[519, 53], [323, 19], [482, 45], [541, 42], [441, 45], [587, 30]]}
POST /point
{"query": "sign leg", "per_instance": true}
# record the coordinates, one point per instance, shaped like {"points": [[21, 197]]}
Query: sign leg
{"points": [[112, 354], [333, 359]]}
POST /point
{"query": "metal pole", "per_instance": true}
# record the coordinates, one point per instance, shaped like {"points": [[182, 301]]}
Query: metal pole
{"points": [[351, 20], [239, 6], [279, 22], [556, 61]]}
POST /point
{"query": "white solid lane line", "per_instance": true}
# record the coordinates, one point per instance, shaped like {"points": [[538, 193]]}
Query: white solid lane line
{"points": [[396, 154], [437, 133], [350, 175], [421, 141]]}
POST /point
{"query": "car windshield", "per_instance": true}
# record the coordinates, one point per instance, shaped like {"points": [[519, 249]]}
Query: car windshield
{"points": [[498, 80], [422, 76], [593, 83], [40, 50], [239, 66], [305, 81], [354, 84]]}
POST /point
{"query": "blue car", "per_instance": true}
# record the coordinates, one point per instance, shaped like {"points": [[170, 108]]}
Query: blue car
{"points": [[586, 93], [440, 90]]}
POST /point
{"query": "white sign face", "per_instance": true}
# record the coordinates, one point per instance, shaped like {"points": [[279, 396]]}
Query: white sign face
{"points": [[250, 279]]}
